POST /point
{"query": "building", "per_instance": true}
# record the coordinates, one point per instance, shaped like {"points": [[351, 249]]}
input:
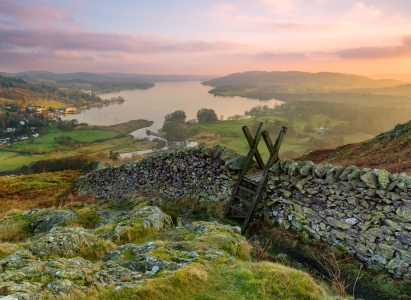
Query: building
{"points": [[67, 109], [10, 130], [86, 92], [37, 109], [22, 123], [35, 135]]}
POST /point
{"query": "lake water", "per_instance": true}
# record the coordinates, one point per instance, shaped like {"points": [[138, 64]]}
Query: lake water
{"points": [[166, 97]]}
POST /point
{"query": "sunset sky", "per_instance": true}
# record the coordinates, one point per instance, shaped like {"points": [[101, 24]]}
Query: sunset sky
{"points": [[206, 36]]}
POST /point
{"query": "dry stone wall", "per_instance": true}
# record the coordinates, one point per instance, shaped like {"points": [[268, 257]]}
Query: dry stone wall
{"points": [[364, 212]]}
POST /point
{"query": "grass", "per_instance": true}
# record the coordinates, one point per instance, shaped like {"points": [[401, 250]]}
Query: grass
{"points": [[47, 142], [246, 280], [119, 145], [13, 160], [29, 191], [47, 103]]}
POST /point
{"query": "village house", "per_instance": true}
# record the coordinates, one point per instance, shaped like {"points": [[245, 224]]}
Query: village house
{"points": [[67, 109], [37, 109], [9, 130]]}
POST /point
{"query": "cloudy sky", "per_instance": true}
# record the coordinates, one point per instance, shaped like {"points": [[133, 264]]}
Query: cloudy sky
{"points": [[205, 36]]}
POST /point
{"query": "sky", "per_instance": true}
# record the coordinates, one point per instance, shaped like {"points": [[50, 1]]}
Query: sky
{"points": [[205, 37]]}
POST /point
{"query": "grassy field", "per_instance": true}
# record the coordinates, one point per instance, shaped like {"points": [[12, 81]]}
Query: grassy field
{"points": [[119, 145], [230, 133], [47, 142], [13, 160], [46, 103]]}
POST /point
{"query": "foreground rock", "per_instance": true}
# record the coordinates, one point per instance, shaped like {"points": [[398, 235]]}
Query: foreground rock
{"points": [[43, 221], [30, 273], [132, 223]]}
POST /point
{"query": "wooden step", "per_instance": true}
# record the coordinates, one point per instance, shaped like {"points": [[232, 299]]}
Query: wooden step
{"points": [[243, 200], [254, 177], [246, 189], [239, 210]]}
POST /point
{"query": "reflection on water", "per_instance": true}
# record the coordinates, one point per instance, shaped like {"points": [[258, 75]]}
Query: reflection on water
{"points": [[153, 104]]}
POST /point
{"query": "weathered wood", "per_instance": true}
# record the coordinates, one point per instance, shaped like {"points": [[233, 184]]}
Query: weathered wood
{"points": [[258, 177], [251, 143], [247, 189], [239, 210], [247, 161]]}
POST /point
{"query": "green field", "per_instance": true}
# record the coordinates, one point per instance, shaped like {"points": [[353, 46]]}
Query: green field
{"points": [[13, 160], [47, 142], [46, 103], [232, 136], [123, 145]]}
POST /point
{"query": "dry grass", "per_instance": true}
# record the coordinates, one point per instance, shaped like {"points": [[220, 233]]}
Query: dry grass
{"points": [[332, 266], [391, 155], [26, 192]]}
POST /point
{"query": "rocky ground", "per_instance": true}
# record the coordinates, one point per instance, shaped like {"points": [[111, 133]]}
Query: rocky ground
{"points": [[116, 250]]}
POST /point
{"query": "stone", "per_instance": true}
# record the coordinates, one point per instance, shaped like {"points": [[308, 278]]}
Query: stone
{"points": [[148, 216], [43, 221], [117, 254], [306, 169], [146, 264], [370, 179], [63, 242], [383, 178]]}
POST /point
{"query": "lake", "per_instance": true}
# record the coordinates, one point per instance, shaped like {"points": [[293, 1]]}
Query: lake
{"points": [[166, 97]]}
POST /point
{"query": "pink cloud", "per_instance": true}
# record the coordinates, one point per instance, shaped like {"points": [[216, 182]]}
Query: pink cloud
{"points": [[29, 14], [290, 26], [73, 39], [70, 55], [124, 57], [360, 10], [378, 52]]}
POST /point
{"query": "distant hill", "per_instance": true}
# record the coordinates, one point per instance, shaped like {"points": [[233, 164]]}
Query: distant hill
{"points": [[110, 77], [15, 88], [401, 77], [301, 80], [389, 150]]}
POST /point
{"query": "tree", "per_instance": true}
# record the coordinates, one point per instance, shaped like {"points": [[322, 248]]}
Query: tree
{"points": [[114, 155], [206, 116], [175, 131], [221, 117], [177, 116]]}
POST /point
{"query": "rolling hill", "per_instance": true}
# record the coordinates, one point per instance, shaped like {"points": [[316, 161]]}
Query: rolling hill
{"points": [[295, 79]]}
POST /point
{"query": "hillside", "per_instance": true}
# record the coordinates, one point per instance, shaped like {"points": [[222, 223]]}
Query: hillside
{"points": [[400, 77], [297, 79], [14, 88], [111, 77], [390, 151]]}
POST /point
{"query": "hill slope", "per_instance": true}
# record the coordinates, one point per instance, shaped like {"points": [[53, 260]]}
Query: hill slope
{"points": [[390, 150], [303, 80]]}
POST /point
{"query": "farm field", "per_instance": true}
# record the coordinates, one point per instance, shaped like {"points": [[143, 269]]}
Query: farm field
{"points": [[119, 145], [13, 160], [47, 103], [229, 132], [47, 142]]}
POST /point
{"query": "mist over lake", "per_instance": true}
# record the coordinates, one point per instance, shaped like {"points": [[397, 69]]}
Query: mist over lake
{"points": [[153, 104]]}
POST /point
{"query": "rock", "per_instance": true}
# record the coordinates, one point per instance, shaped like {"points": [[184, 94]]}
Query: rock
{"points": [[109, 216], [156, 201], [63, 242], [73, 269], [130, 250], [43, 221], [383, 178], [146, 264], [236, 163], [148, 216], [22, 296], [64, 287]]}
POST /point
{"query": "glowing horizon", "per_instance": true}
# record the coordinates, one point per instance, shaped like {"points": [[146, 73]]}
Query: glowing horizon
{"points": [[205, 36]]}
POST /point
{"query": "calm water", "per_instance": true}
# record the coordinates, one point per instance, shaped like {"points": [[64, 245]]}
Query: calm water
{"points": [[153, 104]]}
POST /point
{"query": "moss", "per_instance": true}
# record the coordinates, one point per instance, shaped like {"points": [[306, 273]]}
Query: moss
{"points": [[171, 212], [87, 218]]}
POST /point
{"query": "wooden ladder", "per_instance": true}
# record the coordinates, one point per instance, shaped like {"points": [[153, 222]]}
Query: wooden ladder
{"points": [[258, 178]]}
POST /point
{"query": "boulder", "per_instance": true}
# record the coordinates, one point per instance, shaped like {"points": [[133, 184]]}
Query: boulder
{"points": [[44, 220], [148, 216], [63, 242]]}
